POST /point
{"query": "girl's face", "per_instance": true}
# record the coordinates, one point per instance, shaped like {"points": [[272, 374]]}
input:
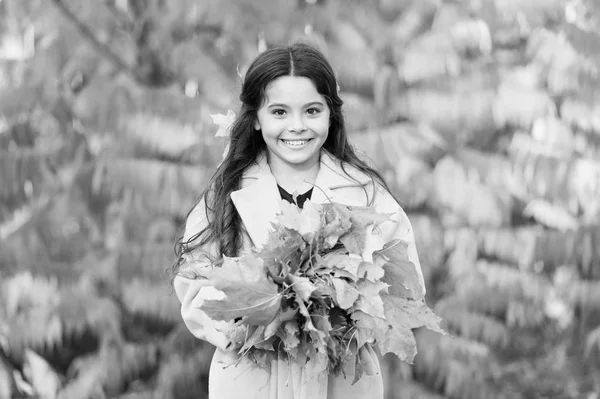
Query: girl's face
{"points": [[294, 119]]}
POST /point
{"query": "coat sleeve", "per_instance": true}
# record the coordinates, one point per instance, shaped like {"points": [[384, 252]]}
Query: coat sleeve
{"points": [[192, 292], [398, 228]]}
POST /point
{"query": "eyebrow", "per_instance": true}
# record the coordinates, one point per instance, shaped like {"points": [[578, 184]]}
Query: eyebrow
{"points": [[305, 105]]}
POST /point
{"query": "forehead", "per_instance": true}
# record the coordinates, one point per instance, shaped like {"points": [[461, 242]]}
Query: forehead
{"points": [[292, 90]]}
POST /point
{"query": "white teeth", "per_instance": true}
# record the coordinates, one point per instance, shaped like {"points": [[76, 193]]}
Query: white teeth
{"points": [[295, 142]]}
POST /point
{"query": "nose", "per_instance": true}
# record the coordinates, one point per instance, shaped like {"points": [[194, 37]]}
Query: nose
{"points": [[297, 124]]}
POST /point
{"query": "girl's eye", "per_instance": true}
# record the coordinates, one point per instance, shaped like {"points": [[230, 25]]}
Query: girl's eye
{"points": [[313, 111], [278, 112]]}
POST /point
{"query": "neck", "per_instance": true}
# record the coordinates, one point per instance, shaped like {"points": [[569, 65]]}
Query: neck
{"points": [[294, 178]]}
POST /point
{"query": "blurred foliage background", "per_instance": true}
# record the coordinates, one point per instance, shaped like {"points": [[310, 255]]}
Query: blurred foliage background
{"points": [[483, 115]]}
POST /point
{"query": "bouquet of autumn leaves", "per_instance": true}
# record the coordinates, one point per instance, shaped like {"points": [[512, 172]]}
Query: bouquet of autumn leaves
{"points": [[310, 293]]}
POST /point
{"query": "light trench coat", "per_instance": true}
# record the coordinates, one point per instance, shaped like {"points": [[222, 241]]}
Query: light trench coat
{"points": [[257, 203]]}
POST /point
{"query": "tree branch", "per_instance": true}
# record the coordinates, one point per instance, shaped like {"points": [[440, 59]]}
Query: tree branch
{"points": [[180, 34], [87, 33]]}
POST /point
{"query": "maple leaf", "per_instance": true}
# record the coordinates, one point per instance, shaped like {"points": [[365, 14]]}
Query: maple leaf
{"points": [[342, 273], [394, 333], [400, 272], [337, 223], [370, 271], [281, 318], [323, 289], [345, 294], [237, 332], [342, 261], [248, 293], [397, 339], [308, 326], [306, 221], [410, 313], [354, 241], [302, 286], [369, 300], [364, 323], [362, 217], [280, 251], [224, 122], [320, 319]]}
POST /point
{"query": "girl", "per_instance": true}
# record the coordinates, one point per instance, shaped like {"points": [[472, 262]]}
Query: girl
{"points": [[289, 137]]}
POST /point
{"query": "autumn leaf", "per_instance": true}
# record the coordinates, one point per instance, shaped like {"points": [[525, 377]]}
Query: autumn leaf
{"points": [[394, 333], [365, 326], [343, 261], [345, 294], [354, 241], [280, 252], [396, 339], [337, 223], [402, 316], [306, 221], [256, 334], [369, 300], [280, 319], [409, 313], [400, 272], [248, 293], [370, 271], [237, 332], [324, 289], [308, 325], [266, 344], [343, 273], [224, 122], [320, 319], [369, 360], [302, 286], [362, 216], [290, 335]]}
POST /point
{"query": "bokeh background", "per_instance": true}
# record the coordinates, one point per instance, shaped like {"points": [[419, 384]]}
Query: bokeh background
{"points": [[483, 115]]}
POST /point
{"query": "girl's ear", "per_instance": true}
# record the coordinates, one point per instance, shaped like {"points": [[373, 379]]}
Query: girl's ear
{"points": [[256, 125]]}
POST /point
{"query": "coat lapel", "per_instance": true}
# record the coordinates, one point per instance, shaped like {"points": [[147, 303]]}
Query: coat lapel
{"points": [[332, 177], [258, 201]]}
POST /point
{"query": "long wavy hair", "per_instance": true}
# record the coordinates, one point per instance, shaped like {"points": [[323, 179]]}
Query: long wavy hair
{"points": [[224, 225]]}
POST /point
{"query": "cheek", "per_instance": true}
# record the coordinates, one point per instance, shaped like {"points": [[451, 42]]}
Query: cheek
{"points": [[323, 126]]}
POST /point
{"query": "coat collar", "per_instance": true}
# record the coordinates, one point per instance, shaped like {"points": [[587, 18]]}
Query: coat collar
{"points": [[257, 202]]}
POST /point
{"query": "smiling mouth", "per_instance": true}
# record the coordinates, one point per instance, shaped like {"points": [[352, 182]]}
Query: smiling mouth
{"points": [[296, 143]]}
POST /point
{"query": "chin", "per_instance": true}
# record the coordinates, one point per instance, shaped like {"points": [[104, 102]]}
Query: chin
{"points": [[297, 161]]}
